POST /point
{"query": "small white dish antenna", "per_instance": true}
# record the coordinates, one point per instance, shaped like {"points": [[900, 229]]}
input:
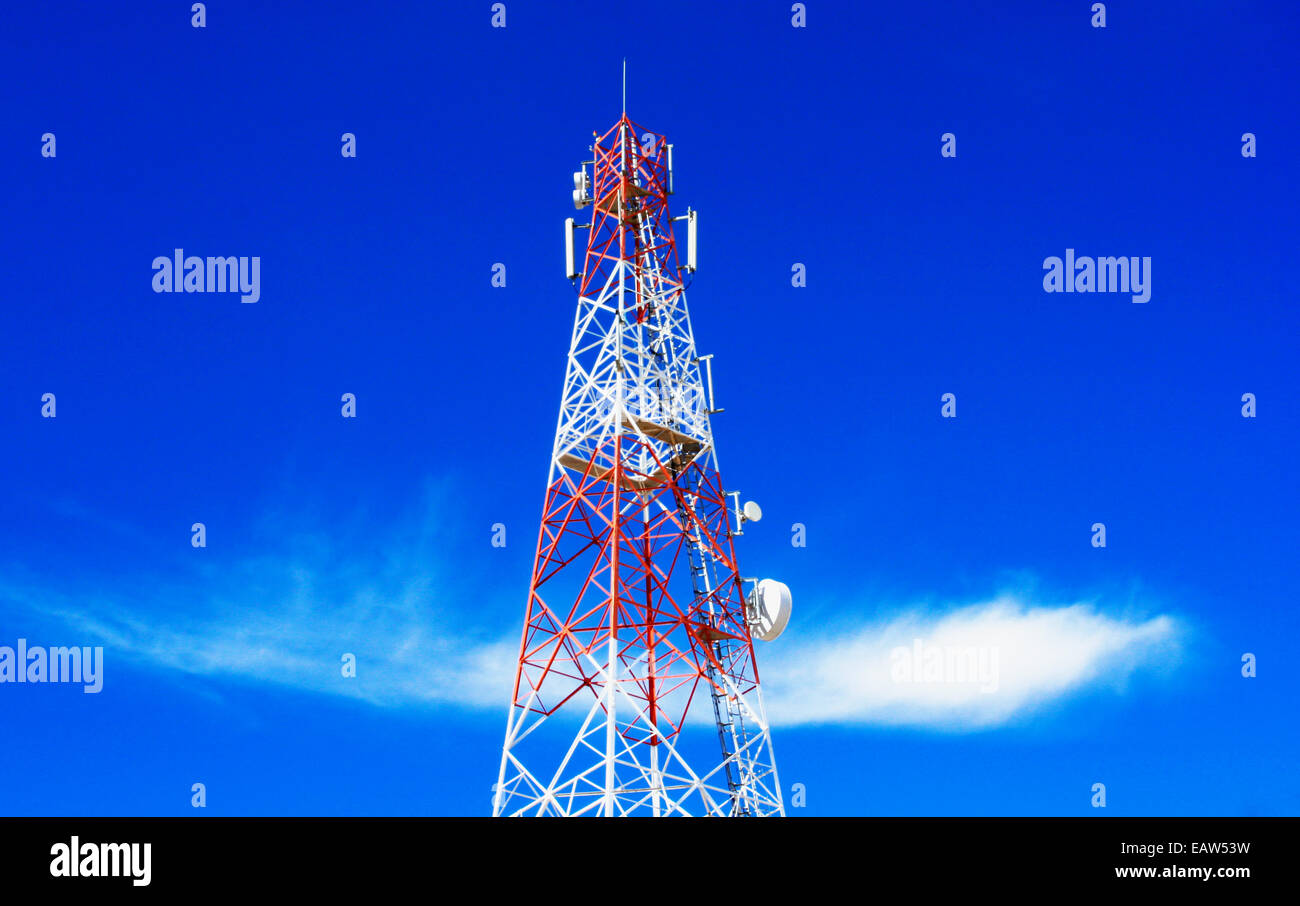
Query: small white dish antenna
{"points": [[580, 189], [769, 609], [752, 512]]}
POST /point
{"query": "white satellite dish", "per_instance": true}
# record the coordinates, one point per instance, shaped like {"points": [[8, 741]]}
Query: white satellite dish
{"points": [[752, 512], [769, 609]]}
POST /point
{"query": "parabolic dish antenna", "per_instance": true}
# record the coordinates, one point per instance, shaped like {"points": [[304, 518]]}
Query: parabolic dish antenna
{"points": [[769, 609]]}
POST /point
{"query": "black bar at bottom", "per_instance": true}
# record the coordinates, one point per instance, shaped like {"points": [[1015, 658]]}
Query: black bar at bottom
{"points": [[335, 854]]}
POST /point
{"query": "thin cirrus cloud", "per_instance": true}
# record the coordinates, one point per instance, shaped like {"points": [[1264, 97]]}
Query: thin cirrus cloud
{"points": [[402, 654], [974, 667], [406, 658], [288, 619]]}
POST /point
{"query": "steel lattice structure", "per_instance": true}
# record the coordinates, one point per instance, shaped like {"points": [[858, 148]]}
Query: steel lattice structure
{"points": [[636, 690]]}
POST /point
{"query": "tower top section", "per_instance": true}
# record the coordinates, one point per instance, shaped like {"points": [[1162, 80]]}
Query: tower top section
{"points": [[631, 170], [628, 192]]}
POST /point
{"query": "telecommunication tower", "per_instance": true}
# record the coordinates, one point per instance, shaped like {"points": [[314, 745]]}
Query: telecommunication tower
{"points": [[636, 690]]}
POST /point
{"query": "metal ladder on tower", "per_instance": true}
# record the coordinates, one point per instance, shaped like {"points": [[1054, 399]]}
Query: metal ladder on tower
{"points": [[727, 713]]}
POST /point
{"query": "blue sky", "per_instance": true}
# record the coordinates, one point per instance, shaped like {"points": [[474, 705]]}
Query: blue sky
{"points": [[818, 146]]}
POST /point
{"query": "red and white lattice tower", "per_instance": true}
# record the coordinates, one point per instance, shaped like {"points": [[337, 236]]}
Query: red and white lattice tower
{"points": [[636, 690]]}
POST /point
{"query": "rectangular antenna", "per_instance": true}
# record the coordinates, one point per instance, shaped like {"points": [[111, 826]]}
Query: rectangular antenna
{"points": [[691, 236], [708, 371], [568, 248]]}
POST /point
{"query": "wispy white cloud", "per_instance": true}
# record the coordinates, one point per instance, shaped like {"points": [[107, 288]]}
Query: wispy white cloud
{"points": [[976, 666], [402, 656], [288, 616], [424, 633]]}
